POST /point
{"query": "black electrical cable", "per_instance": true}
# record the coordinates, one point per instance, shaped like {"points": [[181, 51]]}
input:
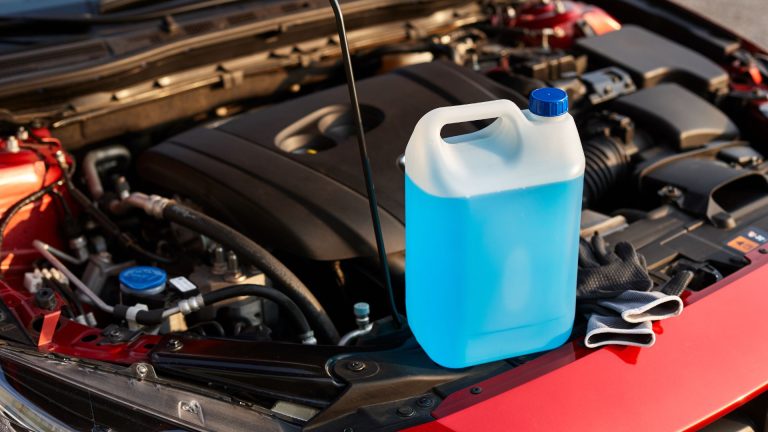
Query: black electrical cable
{"points": [[14, 209], [365, 161], [261, 258], [63, 203]]}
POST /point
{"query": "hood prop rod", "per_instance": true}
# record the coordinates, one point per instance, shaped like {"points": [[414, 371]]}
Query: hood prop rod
{"points": [[365, 161]]}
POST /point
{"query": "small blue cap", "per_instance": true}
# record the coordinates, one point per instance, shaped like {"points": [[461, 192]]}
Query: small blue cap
{"points": [[362, 309], [143, 278], [548, 102]]}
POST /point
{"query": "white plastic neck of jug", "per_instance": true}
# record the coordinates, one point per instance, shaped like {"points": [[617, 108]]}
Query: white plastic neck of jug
{"points": [[542, 119]]}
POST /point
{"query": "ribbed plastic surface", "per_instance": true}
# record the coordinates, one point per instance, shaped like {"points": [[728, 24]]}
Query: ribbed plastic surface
{"points": [[548, 102], [143, 279]]}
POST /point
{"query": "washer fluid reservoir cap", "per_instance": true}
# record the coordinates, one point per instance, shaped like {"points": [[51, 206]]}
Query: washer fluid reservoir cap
{"points": [[548, 102], [143, 280]]}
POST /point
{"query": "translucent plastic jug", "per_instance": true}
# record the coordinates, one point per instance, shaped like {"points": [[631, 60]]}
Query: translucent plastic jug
{"points": [[492, 228]]}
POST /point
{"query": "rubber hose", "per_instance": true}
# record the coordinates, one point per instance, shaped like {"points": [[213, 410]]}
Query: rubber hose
{"points": [[261, 258], [155, 316], [269, 293]]}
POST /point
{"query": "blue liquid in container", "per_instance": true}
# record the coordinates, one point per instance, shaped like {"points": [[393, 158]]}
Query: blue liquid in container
{"points": [[492, 223], [498, 275]]}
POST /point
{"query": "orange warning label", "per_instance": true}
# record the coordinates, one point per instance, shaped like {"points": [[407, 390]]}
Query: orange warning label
{"points": [[743, 244]]}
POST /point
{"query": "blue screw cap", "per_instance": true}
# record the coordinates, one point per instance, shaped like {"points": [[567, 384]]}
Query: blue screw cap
{"points": [[548, 102], [143, 279]]}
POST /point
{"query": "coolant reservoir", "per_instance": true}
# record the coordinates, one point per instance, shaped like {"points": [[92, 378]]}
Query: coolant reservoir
{"points": [[492, 229]]}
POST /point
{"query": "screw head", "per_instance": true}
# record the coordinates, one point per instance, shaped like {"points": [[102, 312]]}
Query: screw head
{"points": [[356, 366], [142, 370], [175, 344], [406, 411], [476, 390], [115, 332], [425, 402]]}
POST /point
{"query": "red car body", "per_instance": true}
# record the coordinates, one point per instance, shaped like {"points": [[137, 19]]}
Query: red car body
{"points": [[705, 364]]}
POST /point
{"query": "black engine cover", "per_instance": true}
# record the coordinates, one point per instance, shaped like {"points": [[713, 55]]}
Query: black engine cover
{"points": [[289, 175]]}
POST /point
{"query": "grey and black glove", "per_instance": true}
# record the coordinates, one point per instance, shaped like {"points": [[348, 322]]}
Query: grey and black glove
{"points": [[605, 274], [661, 303], [613, 330], [615, 293]]}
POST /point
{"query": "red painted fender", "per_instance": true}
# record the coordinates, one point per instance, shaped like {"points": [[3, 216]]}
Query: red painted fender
{"points": [[705, 363]]}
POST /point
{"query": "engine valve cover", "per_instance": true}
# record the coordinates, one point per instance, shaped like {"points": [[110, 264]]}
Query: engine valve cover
{"points": [[290, 176]]}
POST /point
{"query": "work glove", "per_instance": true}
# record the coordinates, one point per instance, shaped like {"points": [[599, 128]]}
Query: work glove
{"points": [[605, 274], [615, 292], [661, 303], [613, 330]]}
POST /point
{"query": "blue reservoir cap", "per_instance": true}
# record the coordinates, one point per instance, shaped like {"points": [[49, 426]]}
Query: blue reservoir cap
{"points": [[143, 279], [548, 102]]}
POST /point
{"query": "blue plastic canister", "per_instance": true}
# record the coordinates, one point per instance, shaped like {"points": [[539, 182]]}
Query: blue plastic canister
{"points": [[492, 229]]}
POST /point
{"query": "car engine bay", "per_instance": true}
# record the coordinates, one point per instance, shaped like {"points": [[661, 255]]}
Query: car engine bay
{"points": [[233, 188]]}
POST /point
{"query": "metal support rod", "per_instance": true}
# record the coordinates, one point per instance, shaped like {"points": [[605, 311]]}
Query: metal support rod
{"points": [[374, 207]]}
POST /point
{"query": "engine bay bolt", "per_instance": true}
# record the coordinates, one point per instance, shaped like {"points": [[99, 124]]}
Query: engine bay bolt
{"points": [[425, 402], [234, 273], [115, 333], [356, 366], [142, 370], [219, 261], [476, 390], [175, 345], [45, 298], [406, 411], [671, 192]]}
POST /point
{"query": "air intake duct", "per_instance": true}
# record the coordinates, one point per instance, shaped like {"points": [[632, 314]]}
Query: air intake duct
{"points": [[608, 147]]}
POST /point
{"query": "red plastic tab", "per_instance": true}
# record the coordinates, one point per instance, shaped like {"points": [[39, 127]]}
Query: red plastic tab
{"points": [[49, 327]]}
